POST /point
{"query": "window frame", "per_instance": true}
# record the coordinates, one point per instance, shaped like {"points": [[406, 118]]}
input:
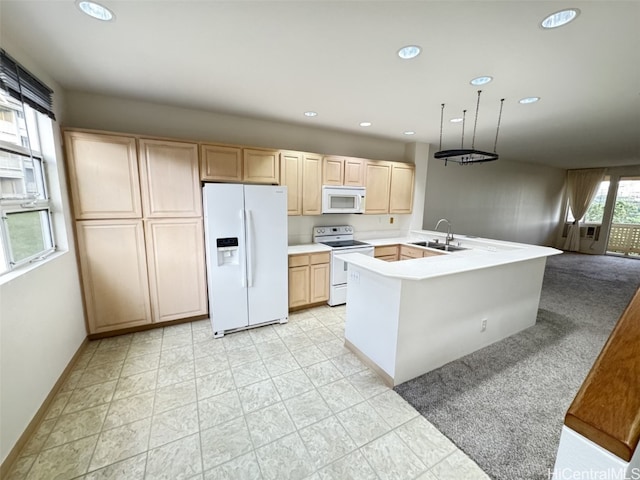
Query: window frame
{"points": [[568, 218], [27, 202]]}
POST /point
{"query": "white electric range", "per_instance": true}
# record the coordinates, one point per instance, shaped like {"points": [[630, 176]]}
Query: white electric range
{"points": [[340, 239]]}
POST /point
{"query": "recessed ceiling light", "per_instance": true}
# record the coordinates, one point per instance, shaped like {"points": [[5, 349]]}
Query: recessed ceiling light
{"points": [[409, 52], [481, 80], [310, 114], [560, 18], [365, 124], [526, 100], [95, 10], [456, 120], [409, 132]]}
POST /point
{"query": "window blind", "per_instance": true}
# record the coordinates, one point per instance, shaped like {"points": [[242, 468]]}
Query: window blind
{"points": [[19, 83]]}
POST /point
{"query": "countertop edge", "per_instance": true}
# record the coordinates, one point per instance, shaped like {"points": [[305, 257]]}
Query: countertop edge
{"points": [[307, 248]]}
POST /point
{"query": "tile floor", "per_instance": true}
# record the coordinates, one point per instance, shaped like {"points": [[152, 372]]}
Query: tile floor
{"points": [[278, 402]]}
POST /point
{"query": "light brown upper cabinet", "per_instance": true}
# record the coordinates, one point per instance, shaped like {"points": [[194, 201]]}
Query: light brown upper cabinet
{"points": [[170, 179], [291, 177], [219, 163], [311, 184], [175, 258], [332, 170], [354, 172], [342, 171], [103, 172], [378, 185], [261, 166], [114, 273], [402, 187]]}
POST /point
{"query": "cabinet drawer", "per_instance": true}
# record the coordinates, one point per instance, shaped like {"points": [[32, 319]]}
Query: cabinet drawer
{"points": [[317, 258], [298, 260], [431, 253], [386, 250], [411, 252], [388, 258]]}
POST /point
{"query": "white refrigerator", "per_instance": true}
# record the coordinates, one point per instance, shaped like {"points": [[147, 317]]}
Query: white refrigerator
{"points": [[246, 252]]}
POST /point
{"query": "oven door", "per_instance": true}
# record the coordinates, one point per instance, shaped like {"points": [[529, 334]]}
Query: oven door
{"points": [[339, 267]]}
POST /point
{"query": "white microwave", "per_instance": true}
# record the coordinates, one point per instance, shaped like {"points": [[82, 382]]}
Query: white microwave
{"points": [[336, 199]]}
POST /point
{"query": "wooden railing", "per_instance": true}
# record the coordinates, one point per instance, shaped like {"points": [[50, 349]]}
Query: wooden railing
{"points": [[624, 238], [606, 409]]}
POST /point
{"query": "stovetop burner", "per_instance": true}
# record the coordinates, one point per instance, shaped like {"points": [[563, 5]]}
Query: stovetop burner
{"points": [[344, 243]]}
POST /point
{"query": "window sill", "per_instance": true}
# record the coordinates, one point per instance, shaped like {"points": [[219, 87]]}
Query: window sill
{"points": [[18, 272]]}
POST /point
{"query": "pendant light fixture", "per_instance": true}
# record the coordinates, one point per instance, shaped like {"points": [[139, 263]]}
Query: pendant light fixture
{"points": [[467, 156]]}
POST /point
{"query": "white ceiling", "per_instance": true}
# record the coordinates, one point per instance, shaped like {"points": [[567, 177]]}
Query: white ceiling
{"points": [[275, 60]]}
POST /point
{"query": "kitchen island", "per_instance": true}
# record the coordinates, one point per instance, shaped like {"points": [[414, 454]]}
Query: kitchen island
{"points": [[409, 317]]}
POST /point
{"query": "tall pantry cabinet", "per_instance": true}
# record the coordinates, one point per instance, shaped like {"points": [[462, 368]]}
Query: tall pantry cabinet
{"points": [[138, 215]]}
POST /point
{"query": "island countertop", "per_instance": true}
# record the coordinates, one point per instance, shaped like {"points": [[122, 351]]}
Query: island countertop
{"points": [[479, 253], [406, 318]]}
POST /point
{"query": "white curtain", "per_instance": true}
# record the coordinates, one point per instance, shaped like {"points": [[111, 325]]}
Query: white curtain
{"points": [[582, 186]]}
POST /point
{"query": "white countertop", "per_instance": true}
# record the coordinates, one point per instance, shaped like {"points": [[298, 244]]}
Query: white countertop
{"points": [[480, 253]]}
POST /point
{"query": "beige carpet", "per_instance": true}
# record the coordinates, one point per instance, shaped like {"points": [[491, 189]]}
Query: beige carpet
{"points": [[505, 404]]}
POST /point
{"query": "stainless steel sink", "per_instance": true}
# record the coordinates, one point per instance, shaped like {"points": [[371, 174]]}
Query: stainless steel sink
{"points": [[439, 246], [450, 248]]}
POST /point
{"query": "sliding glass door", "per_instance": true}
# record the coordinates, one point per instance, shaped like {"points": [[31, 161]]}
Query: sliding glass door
{"points": [[624, 235]]}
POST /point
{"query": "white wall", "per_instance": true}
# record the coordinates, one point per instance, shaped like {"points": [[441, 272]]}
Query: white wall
{"points": [[131, 116], [505, 200], [41, 315]]}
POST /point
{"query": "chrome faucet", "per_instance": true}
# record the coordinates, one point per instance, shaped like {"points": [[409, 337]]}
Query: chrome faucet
{"points": [[449, 234]]}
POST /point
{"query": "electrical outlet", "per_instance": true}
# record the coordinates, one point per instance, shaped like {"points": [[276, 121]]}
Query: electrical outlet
{"points": [[483, 325], [354, 277], [390, 219]]}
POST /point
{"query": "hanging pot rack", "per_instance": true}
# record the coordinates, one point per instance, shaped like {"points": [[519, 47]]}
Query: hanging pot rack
{"points": [[468, 156]]}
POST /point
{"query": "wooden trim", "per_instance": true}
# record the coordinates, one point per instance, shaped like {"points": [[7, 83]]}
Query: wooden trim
{"points": [[386, 378], [606, 409], [14, 454], [307, 305]]}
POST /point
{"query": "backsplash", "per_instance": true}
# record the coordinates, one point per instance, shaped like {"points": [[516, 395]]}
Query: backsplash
{"points": [[365, 226]]}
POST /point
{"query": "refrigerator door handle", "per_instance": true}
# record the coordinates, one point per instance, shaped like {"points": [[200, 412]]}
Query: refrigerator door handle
{"points": [[243, 256], [249, 249]]}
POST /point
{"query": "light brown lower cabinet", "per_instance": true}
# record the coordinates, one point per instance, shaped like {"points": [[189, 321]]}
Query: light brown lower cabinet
{"points": [[299, 280], [407, 252], [177, 277], [319, 285], [392, 253], [114, 274], [308, 279], [388, 253], [137, 272]]}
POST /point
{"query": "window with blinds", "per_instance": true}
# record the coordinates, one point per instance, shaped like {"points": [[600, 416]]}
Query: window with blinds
{"points": [[26, 233]]}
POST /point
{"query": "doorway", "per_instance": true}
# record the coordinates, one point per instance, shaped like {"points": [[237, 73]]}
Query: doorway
{"points": [[624, 234]]}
